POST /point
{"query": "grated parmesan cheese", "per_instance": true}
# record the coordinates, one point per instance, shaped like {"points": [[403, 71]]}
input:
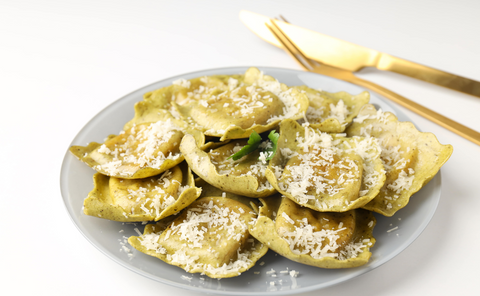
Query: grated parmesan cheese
{"points": [[182, 82], [139, 149]]}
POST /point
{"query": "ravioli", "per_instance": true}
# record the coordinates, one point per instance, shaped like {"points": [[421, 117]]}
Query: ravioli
{"points": [[210, 237], [325, 240], [256, 102], [373, 175], [317, 170], [148, 199], [332, 112], [160, 100], [312, 202], [411, 158], [245, 176], [144, 150]]}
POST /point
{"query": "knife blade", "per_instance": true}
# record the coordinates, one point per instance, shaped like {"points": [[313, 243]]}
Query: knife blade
{"points": [[353, 57]]}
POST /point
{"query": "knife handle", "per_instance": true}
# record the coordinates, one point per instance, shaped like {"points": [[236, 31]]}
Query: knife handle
{"points": [[390, 63], [439, 119]]}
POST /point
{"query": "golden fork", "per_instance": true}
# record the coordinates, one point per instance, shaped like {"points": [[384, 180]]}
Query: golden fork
{"points": [[348, 76]]}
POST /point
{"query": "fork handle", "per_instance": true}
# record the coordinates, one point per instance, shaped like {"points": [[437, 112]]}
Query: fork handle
{"points": [[390, 63], [439, 119]]}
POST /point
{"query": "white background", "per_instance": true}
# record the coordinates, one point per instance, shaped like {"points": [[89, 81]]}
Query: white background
{"points": [[61, 62]]}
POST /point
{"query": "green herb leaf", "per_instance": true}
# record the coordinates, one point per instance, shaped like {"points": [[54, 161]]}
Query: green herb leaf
{"points": [[273, 136], [253, 143]]}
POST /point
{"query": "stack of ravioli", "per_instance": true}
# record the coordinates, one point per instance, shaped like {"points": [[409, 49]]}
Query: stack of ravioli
{"points": [[308, 193]]}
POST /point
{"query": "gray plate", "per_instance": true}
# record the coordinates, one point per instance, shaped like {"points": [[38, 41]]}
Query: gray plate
{"points": [[393, 235]]}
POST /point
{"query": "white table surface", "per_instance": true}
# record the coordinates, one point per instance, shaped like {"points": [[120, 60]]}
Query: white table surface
{"points": [[62, 62]]}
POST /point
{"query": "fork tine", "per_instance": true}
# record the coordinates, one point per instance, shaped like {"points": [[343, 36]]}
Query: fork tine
{"points": [[283, 19], [290, 47]]}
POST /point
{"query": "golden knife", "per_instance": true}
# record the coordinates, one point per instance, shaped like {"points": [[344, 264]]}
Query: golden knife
{"points": [[352, 57]]}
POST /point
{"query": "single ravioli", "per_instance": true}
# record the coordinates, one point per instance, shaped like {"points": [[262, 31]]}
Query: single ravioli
{"points": [[374, 175], [148, 199], [411, 158], [210, 237], [245, 176], [144, 150], [161, 100], [314, 170], [332, 112], [325, 240], [256, 103], [149, 113]]}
